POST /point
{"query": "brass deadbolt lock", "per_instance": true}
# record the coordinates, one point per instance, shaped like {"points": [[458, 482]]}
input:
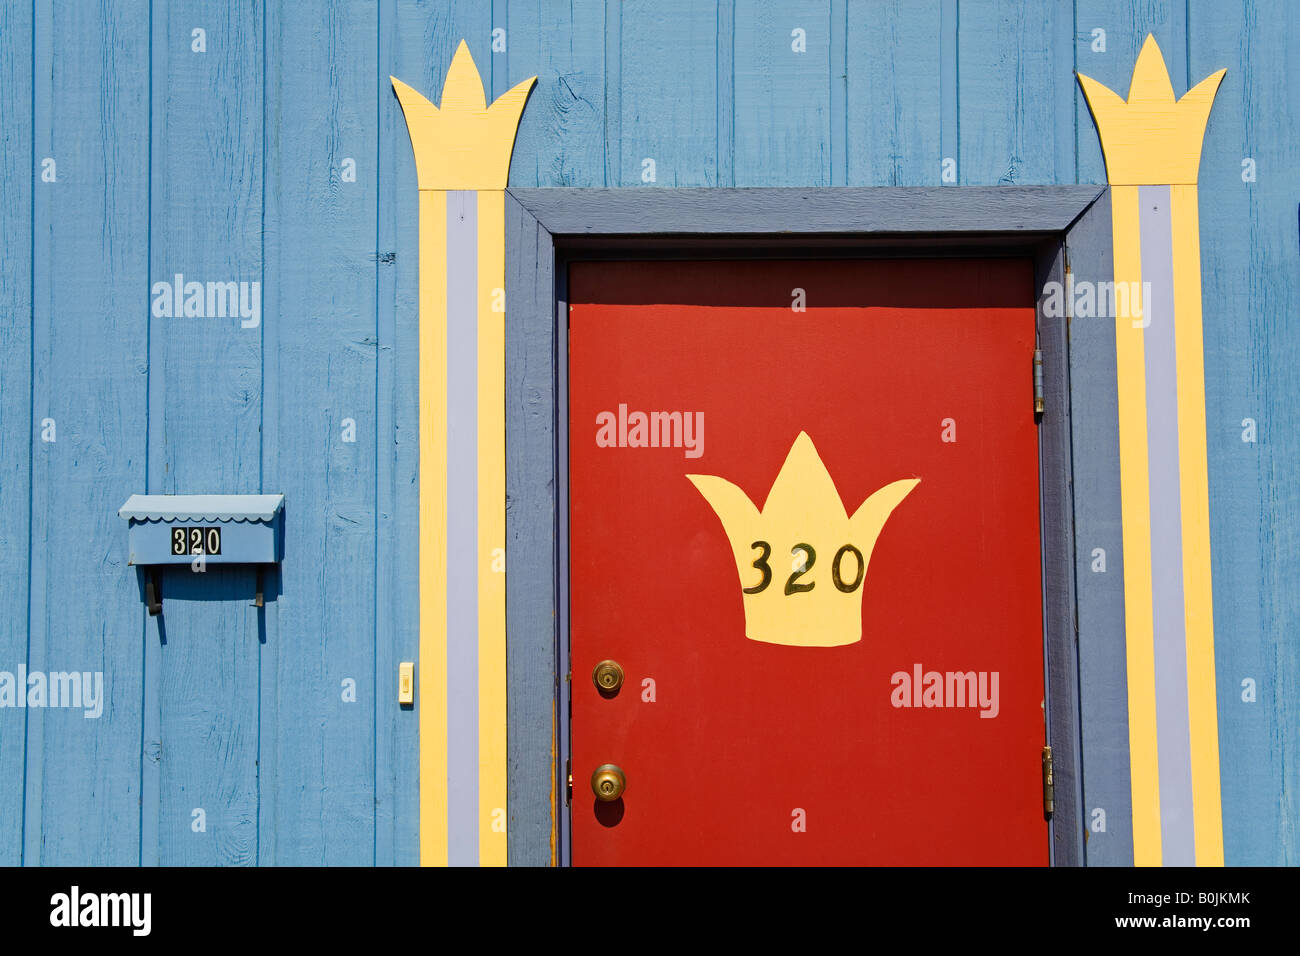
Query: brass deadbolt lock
{"points": [[608, 783], [608, 677]]}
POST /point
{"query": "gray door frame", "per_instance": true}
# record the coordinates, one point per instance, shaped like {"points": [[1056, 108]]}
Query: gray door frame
{"points": [[548, 228]]}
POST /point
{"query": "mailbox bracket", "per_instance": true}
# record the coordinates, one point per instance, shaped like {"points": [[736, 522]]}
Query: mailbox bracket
{"points": [[211, 529]]}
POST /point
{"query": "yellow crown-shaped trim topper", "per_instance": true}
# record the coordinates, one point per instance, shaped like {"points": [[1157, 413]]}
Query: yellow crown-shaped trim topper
{"points": [[1151, 139], [802, 559], [464, 144]]}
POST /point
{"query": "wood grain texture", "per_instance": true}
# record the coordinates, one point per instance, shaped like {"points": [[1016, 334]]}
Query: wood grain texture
{"points": [[561, 139], [782, 97], [839, 66], [207, 698], [205, 412], [89, 322], [531, 546], [613, 93], [1251, 293], [725, 101], [395, 597], [19, 171], [949, 90], [269, 747], [1039, 209], [1006, 133], [317, 749], [907, 82], [668, 82], [894, 76], [1126, 26]]}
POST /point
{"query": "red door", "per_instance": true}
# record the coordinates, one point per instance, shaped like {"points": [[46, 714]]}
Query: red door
{"points": [[804, 524]]}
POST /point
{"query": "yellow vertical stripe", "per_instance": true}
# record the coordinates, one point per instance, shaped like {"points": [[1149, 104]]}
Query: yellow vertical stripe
{"points": [[1130, 373], [491, 527], [1202, 704], [464, 144], [432, 688]]}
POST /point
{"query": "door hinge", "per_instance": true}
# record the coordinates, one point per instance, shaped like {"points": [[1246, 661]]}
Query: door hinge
{"points": [[568, 775], [1049, 786], [1040, 400]]}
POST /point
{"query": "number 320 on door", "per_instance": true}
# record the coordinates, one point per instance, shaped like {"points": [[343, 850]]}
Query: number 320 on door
{"points": [[793, 585]]}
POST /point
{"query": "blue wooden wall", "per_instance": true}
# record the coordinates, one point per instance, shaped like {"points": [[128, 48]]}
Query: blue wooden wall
{"points": [[228, 165]]}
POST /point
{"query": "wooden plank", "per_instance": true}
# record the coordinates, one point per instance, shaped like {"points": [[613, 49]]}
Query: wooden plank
{"points": [[396, 743], [1063, 92], [207, 701], [270, 751], [397, 797], [782, 94], [1103, 680], [613, 92], [805, 211], [949, 93], [894, 100], [427, 37], [19, 171], [1250, 290], [561, 139], [205, 412], [839, 80], [320, 687], [1009, 71], [531, 545], [725, 70], [89, 320], [668, 81], [1125, 26]]}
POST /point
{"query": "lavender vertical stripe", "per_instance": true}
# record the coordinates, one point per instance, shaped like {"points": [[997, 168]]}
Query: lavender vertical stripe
{"points": [[462, 528], [1173, 735]]}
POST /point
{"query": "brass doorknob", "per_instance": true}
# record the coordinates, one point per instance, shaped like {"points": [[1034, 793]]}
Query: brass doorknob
{"points": [[608, 782], [608, 676]]}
